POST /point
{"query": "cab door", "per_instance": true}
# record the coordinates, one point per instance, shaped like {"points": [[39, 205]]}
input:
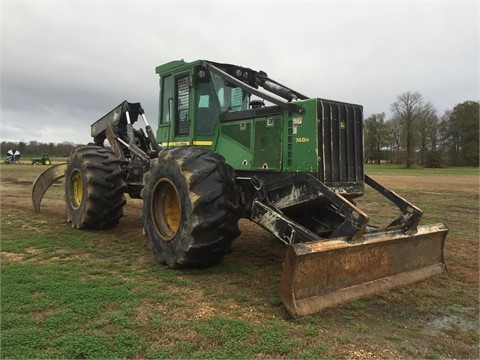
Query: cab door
{"points": [[175, 117]]}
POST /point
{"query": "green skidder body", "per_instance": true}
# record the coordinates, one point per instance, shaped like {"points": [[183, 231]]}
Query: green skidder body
{"points": [[321, 137]]}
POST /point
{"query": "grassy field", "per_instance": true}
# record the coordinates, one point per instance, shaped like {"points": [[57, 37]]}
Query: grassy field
{"points": [[67, 293]]}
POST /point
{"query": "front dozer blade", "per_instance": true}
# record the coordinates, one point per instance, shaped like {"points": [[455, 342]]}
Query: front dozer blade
{"points": [[44, 181], [321, 274]]}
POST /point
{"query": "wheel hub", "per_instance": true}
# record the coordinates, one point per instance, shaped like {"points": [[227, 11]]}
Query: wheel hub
{"points": [[166, 209], [75, 193]]}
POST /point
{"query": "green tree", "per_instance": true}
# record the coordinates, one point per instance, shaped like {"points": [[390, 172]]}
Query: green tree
{"points": [[375, 139], [463, 133], [21, 147]]}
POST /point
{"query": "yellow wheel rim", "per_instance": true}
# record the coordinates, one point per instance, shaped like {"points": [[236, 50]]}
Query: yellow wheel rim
{"points": [[76, 189], [166, 209]]}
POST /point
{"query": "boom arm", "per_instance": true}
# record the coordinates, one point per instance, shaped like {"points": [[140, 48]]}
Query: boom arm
{"points": [[269, 85], [277, 88]]}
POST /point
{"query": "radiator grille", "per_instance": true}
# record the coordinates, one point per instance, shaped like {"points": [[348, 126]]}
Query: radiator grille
{"points": [[340, 142]]}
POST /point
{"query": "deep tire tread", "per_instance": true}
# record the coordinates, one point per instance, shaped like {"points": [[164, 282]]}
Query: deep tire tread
{"points": [[212, 224], [103, 201]]}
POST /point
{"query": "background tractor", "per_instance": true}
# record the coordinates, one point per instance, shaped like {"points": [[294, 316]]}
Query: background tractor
{"points": [[43, 160], [233, 143]]}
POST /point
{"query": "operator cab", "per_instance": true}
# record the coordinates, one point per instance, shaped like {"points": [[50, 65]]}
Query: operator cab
{"points": [[184, 83], [220, 106]]}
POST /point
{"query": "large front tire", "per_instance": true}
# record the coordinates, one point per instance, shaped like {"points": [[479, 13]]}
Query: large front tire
{"points": [[190, 205], [94, 188]]}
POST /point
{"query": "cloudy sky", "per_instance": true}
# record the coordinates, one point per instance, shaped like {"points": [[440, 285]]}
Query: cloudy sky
{"points": [[64, 64]]}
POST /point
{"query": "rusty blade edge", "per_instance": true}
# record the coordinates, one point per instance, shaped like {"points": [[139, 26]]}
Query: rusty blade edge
{"points": [[316, 303]]}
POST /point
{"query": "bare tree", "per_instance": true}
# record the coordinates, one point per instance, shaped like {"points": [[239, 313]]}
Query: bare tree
{"points": [[444, 133], [427, 131], [408, 109], [393, 136]]}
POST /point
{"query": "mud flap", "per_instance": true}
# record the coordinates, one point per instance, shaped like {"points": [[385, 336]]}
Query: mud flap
{"points": [[44, 181], [322, 274]]}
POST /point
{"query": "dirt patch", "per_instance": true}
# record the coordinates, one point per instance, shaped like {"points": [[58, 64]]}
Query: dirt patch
{"points": [[11, 256], [430, 184]]}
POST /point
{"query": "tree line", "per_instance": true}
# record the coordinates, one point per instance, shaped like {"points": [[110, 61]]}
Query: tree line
{"points": [[37, 148], [416, 134]]}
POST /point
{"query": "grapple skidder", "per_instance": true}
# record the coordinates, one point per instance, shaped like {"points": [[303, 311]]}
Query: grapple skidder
{"points": [[233, 143]]}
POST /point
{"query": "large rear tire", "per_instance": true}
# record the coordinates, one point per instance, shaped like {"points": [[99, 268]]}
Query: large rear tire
{"points": [[190, 205], [94, 188]]}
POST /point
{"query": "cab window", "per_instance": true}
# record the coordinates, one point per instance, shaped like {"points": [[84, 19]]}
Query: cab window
{"points": [[167, 95], [230, 98], [207, 109]]}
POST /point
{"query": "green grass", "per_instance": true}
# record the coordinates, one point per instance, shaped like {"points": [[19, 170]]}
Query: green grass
{"points": [[50, 313], [396, 169], [342, 339], [56, 306]]}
